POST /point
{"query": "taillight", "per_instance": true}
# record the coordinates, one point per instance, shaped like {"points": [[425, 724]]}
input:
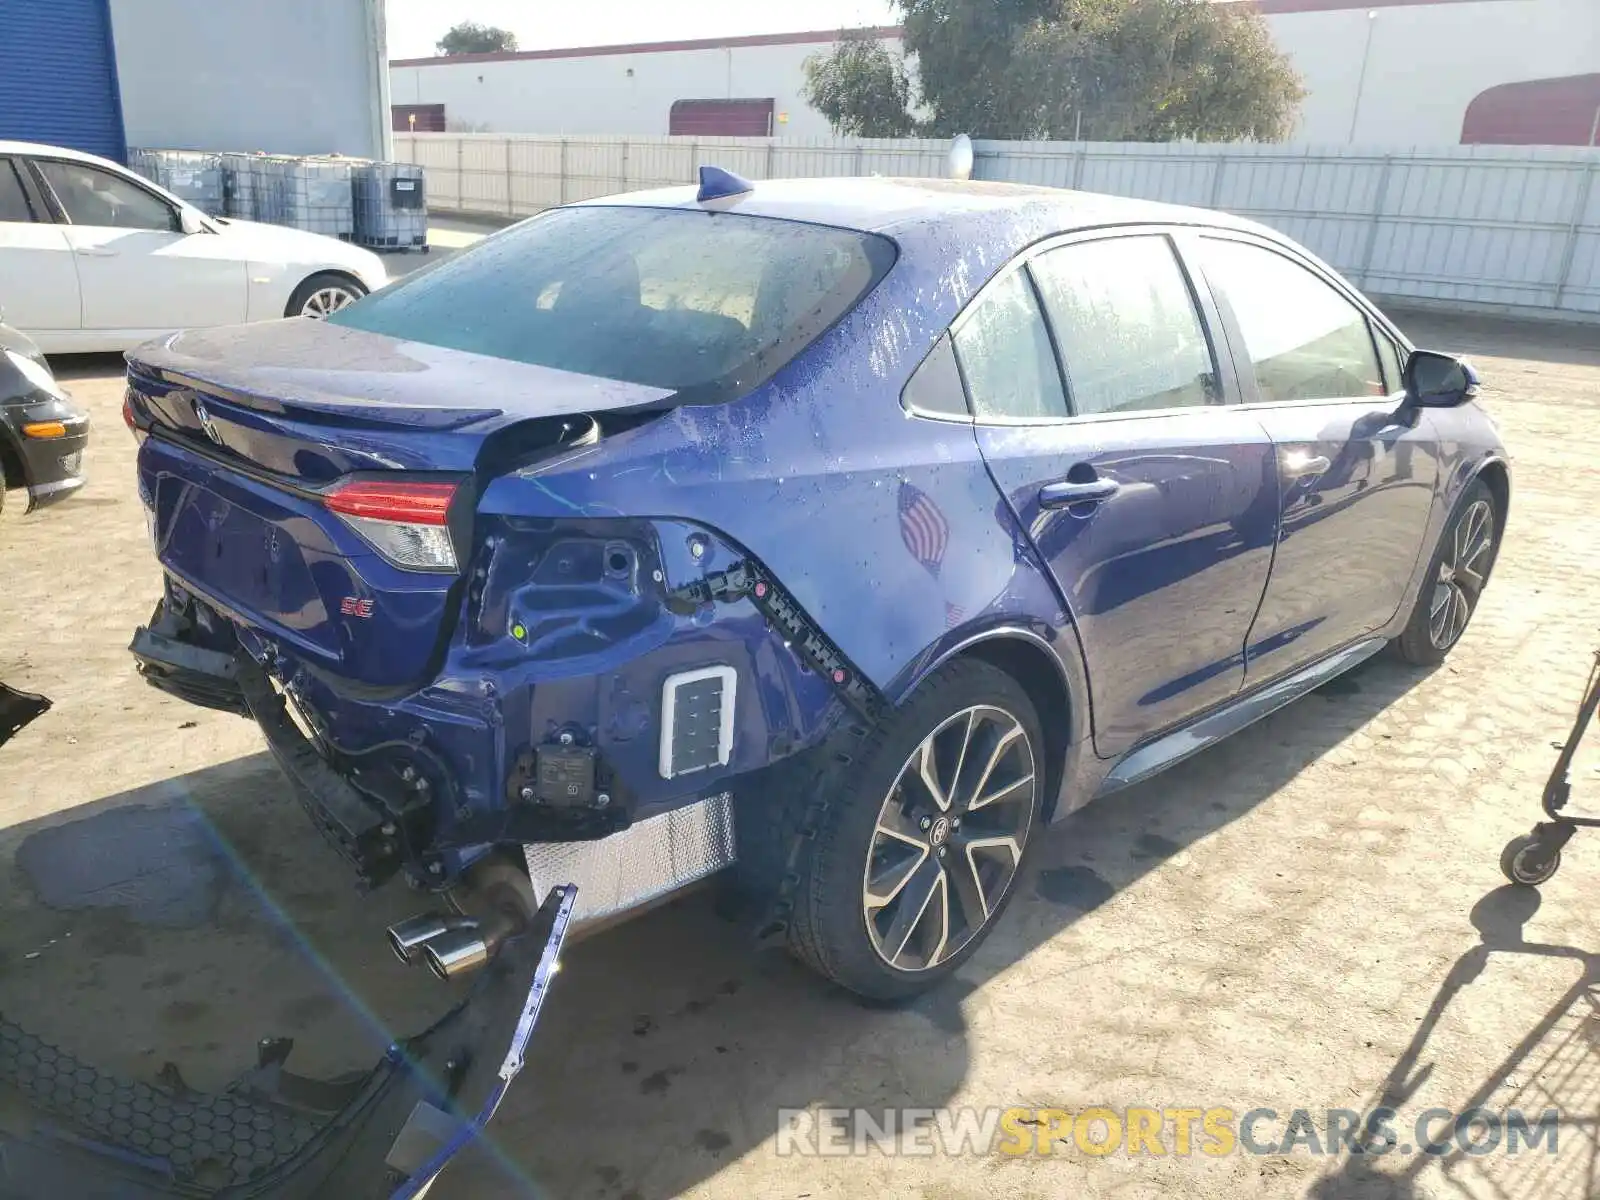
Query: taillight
{"points": [[403, 521], [130, 416]]}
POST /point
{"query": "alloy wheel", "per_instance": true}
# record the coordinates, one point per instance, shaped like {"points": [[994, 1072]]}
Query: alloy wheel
{"points": [[324, 302], [1463, 570], [949, 838]]}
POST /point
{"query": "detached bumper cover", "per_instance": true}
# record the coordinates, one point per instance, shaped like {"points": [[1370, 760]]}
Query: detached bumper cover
{"points": [[18, 709], [273, 1135]]}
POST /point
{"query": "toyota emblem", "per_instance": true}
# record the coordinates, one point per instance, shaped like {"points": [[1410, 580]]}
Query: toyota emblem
{"points": [[207, 423]]}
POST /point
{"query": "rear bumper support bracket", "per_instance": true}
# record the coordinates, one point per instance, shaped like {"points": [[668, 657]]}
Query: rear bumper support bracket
{"points": [[747, 580]]}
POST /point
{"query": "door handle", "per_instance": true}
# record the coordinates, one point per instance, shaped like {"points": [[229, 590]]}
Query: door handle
{"points": [[1064, 493], [1298, 464], [96, 252]]}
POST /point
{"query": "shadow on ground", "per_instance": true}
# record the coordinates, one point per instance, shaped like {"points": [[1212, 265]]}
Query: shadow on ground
{"points": [[1554, 1068], [68, 367], [1572, 343], [188, 919], [185, 920]]}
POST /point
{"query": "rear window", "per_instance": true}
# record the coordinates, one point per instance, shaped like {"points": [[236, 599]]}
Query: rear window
{"points": [[709, 304]]}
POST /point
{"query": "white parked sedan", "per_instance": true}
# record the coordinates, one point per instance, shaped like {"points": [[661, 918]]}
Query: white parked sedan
{"points": [[94, 257]]}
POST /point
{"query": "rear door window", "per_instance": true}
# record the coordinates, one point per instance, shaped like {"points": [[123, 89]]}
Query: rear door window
{"points": [[1305, 340], [1126, 322], [706, 304], [1006, 357]]}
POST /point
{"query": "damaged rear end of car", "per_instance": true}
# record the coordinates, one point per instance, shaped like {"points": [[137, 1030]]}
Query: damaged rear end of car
{"points": [[452, 660]]}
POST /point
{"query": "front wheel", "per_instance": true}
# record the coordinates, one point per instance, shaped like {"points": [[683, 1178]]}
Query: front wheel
{"points": [[323, 295], [918, 853], [1455, 580]]}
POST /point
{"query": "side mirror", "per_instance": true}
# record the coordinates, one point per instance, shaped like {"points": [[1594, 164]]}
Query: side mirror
{"points": [[189, 221], [1434, 380]]}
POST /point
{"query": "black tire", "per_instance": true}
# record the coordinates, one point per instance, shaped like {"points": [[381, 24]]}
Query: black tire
{"points": [[10, 470], [1457, 587], [1529, 861], [829, 927], [329, 284]]}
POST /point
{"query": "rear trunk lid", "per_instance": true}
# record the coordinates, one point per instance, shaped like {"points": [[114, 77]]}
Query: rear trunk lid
{"points": [[318, 483], [311, 401]]}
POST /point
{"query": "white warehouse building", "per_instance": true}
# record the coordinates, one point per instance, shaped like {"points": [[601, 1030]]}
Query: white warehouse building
{"points": [[737, 86], [293, 76], [1395, 72]]}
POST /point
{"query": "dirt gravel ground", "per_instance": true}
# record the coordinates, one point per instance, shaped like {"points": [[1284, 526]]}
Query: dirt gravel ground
{"points": [[1309, 916]]}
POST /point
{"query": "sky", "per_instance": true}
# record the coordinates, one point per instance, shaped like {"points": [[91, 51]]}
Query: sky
{"points": [[415, 25]]}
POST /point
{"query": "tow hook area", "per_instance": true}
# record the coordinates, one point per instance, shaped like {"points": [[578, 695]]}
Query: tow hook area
{"points": [[274, 1135]]}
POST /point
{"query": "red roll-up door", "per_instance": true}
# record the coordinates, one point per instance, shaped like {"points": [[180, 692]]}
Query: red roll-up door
{"points": [[430, 118], [1535, 112], [721, 118]]}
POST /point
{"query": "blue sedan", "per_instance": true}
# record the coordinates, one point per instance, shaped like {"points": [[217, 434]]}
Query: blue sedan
{"points": [[841, 532]]}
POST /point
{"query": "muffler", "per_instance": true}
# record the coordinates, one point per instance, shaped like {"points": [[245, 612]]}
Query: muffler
{"points": [[460, 951], [407, 937]]}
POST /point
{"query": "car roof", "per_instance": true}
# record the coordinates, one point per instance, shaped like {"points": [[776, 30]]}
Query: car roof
{"points": [[56, 152], [897, 206]]}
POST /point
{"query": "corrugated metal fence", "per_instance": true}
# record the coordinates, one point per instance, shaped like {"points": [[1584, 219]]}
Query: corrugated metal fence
{"points": [[1512, 227]]}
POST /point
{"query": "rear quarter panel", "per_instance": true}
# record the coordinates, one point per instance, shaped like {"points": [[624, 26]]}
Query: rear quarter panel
{"points": [[886, 528]]}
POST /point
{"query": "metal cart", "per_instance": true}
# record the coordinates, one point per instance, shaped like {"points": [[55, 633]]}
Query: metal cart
{"points": [[1534, 857]]}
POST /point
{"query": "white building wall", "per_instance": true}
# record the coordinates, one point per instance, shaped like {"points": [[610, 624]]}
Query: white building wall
{"points": [[1427, 63], [291, 77], [596, 94]]}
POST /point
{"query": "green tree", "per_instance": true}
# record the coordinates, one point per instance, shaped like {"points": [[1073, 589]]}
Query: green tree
{"points": [[469, 37], [964, 51], [861, 88], [1104, 70]]}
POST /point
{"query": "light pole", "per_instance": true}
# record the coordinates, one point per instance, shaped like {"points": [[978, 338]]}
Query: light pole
{"points": [[1361, 80]]}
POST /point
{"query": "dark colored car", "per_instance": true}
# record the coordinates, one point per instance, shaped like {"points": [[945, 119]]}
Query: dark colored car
{"points": [[849, 529], [42, 433]]}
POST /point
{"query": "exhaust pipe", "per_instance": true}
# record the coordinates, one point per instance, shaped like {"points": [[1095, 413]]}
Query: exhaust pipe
{"points": [[460, 951], [406, 938]]}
